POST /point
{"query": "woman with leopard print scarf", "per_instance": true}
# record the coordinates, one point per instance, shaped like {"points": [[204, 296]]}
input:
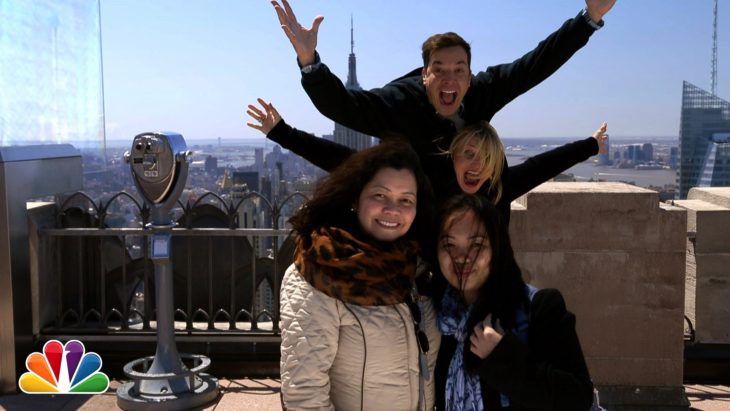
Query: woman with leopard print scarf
{"points": [[355, 334]]}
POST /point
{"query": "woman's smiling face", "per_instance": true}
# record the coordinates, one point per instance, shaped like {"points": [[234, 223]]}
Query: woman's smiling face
{"points": [[470, 166], [464, 253], [387, 204]]}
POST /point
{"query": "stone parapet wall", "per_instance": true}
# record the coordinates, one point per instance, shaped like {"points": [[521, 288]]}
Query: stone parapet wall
{"points": [[708, 263], [618, 256]]}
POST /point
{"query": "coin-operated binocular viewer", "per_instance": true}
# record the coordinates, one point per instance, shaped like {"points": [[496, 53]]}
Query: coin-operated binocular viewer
{"points": [[159, 163]]}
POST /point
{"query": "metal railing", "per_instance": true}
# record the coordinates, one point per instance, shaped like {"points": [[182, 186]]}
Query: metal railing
{"points": [[99, 280]]}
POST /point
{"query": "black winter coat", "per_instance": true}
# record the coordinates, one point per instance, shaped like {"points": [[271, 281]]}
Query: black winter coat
{"points": [[548, 373]]}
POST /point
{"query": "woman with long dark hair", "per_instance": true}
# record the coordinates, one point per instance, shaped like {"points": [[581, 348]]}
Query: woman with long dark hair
{"points": [[355, 333], [505, 344]]}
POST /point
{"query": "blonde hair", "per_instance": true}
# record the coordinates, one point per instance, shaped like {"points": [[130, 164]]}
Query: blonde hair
{"points": [[489, 148]]}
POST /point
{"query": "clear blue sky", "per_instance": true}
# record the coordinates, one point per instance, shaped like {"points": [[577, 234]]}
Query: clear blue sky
{"points": [[192, 66]]}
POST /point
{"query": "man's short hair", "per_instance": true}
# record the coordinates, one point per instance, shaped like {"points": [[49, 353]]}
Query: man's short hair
{"points": [[444, 40]]}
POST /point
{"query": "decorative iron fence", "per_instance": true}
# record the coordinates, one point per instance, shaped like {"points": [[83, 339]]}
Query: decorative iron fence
{"points": [[94, 279]]}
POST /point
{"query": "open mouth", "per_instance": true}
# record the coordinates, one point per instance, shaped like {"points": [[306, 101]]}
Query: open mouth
{"points": [[471, 179], [447, 97]]}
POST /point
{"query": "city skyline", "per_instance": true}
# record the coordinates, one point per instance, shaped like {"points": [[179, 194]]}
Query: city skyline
{"points": [[193, 68]]}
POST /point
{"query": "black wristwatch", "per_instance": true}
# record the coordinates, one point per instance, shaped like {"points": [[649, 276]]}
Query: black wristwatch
{"points": [[590, 21]]}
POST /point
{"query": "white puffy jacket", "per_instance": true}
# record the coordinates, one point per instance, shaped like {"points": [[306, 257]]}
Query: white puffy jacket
{"points": [[349, 357]]}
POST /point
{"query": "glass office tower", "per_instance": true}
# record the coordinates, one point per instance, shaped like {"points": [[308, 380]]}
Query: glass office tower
{"points": [[704, 140]]}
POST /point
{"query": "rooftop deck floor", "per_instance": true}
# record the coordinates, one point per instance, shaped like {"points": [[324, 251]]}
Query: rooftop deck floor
{"points": [[263, 395]]}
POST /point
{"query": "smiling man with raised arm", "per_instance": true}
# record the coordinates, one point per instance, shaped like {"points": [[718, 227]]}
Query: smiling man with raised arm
{"points": [[428, 105]]}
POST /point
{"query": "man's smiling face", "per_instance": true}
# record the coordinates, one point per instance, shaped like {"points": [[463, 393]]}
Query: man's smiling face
{"points": [[447, 78]]}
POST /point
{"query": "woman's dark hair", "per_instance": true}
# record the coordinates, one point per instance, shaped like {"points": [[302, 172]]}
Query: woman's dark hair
{"points": [[504, 292], [336, 194]]}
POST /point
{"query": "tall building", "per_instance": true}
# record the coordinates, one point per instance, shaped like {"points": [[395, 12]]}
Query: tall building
{"points": [[344, 135], [673, 157], [248, 178], [604, 159], [647, 152], [259, 161], [211, 164], [704, 140], [633, 153]]}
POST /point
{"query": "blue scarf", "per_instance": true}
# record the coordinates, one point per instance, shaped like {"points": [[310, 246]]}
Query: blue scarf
{"points": [[463, 391]]}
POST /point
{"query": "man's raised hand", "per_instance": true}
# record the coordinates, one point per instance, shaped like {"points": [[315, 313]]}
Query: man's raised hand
{"points": [[304, 40]]}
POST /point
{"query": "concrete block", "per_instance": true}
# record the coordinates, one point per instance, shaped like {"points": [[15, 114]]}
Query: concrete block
{"points": [[634, 398], [615, 273], [695, 206], [670, 221], [627, 304], [635, 371], [632, 331], [716, 195], [620, 197], [585, 217], [712, 311], [713, 231], [619, 258]]}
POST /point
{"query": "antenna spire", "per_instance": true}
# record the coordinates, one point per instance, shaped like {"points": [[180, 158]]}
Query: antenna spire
{"points": [[713, 76], [352, 62]]}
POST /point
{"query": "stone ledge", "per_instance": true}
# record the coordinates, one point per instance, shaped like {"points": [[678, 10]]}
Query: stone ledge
{"points": [[589, 187], [618, 197], [642, 398], [719, 196]]}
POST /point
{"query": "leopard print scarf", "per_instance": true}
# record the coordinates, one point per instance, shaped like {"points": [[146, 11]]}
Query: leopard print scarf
{"points": [[354, 271]]}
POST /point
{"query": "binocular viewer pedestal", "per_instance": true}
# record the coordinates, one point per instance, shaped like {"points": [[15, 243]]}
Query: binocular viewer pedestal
{"points": [[159, 163]]}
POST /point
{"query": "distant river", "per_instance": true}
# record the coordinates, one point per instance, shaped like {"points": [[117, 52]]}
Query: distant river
{"points": [[641, 178], [589, 170]]}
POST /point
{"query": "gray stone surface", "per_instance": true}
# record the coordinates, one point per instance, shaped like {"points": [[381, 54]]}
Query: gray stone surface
{"points": [[618, 256], [707, 266]]}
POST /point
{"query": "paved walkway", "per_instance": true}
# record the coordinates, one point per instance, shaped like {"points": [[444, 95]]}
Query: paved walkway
{"points": [[709, 397], [263, 395], [243, 394]]}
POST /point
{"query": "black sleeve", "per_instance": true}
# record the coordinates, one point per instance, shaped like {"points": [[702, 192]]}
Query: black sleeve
{"points": [[323, 153], [548, 373], [441, 371], [373, 112], [507, 81], [542, 167]]}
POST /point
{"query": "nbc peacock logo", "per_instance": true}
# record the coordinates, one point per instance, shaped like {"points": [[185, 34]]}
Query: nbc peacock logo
{"points": [[63, 369]]}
